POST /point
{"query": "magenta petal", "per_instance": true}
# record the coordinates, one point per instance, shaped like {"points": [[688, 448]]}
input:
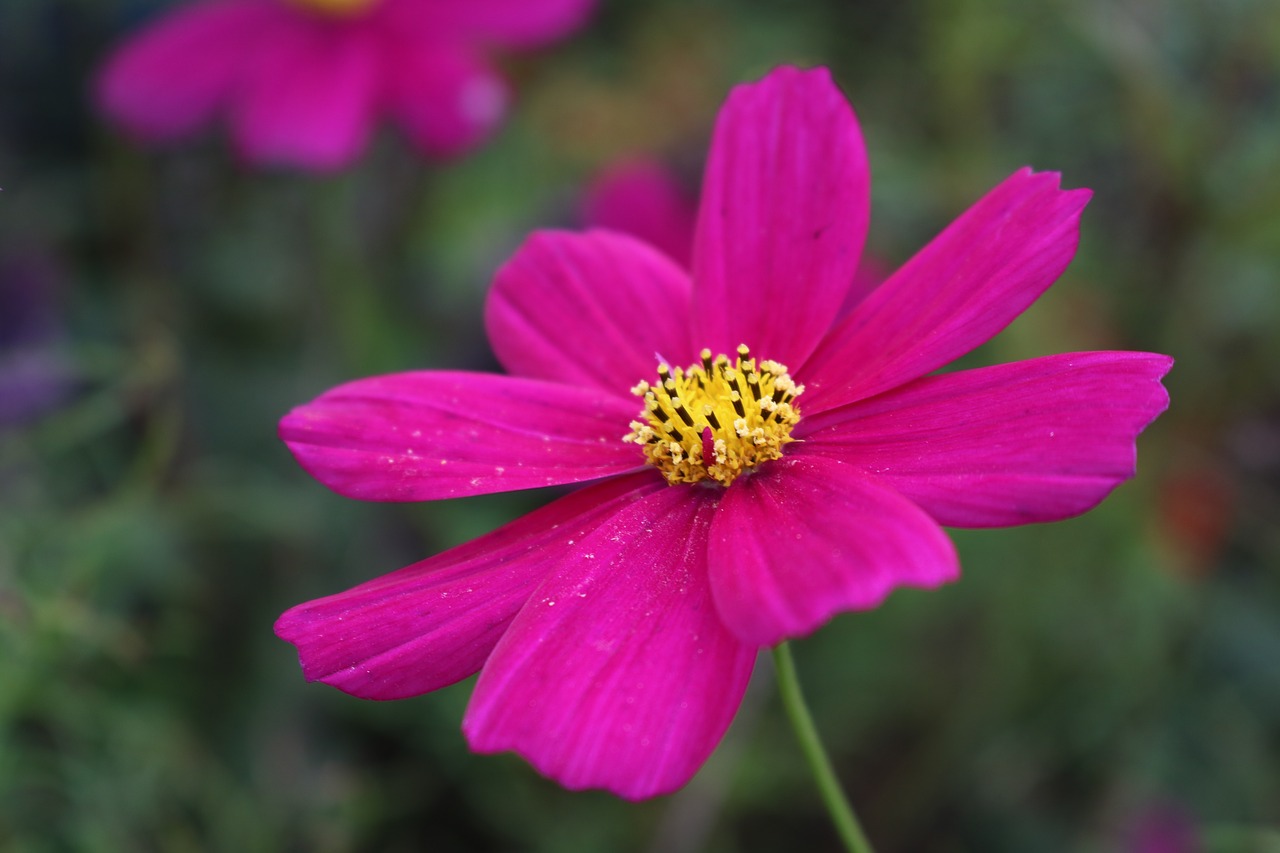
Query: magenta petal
{"points": [[1032, 441], [806, 538], [446, 99], [643, 199], [308, 101], [512, 23], [785, 202], [869, 276], [428, 435], [970, 282], [172, 77], [597, 309], [618, 674], [433, 623]]}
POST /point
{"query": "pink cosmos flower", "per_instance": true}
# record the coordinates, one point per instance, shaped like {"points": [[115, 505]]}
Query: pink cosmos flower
{"points": [[302, 81], [742, 498]]}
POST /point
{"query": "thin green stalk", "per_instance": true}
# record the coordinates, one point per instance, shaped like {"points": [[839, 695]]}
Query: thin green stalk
{"points": [[833, 797]]}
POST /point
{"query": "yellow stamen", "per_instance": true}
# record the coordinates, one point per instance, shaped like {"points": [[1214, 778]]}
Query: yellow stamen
{"points": [[715, 420], [337, 8]]}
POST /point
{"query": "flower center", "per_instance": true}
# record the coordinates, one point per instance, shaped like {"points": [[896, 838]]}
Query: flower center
{"points": [[338, 8], [715, 420]]}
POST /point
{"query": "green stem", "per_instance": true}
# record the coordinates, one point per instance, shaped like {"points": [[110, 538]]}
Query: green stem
{"points": [[832, 796]]}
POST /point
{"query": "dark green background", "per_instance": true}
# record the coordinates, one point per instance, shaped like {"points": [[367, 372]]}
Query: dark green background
{"points": [[1083, 679]]}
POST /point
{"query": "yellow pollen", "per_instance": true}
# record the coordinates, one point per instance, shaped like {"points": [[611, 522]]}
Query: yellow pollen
{"points": [[337, 8], [715, 420]]}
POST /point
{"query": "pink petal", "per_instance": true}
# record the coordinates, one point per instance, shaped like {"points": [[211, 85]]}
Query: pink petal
{"points": [[446, 99], [597, 309], [641, 198], [1032, 441], [618, 674], [308, 100], [170, 78], [513, 23], [784, 214], [806, 538], [428, 435], [870, 275], [970, 282], [433, 623]]}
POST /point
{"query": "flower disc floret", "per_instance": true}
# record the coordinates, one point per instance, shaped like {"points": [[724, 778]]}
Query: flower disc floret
{"points": [[716, 420]]}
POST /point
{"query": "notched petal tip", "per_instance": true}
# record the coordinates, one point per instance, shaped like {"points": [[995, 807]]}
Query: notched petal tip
{"points": [[960, 290], [296, 626], [1049, 181], [790, 75], [432, 623], [1161, 362], [1028, 442], [1159, 401]]}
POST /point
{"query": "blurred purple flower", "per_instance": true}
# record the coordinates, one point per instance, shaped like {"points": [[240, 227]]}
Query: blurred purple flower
{"points": [[615, 629], [303, 81], [34, 373]]}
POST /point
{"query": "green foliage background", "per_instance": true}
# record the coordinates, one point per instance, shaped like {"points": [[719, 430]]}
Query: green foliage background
{"points": [[1083, 679]]}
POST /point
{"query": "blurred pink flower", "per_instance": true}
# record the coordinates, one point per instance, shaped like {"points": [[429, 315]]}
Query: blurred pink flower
{"points": [[303, 81], [642, 197], [615, 628]]}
